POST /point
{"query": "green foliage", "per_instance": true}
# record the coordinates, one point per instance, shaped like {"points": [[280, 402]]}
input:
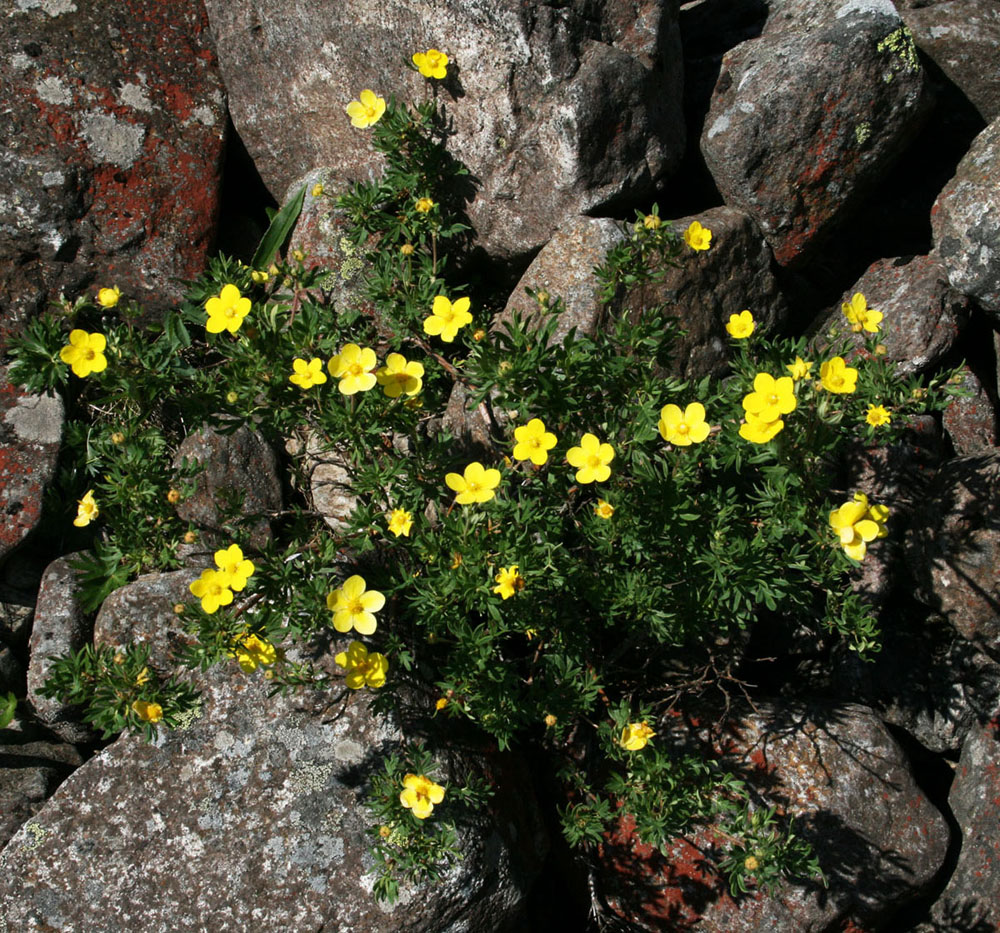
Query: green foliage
{"points": [[631, 592], [8, 709], [278, 230]]}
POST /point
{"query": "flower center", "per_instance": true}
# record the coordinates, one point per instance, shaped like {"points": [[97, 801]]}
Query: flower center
{"points": [[355, 369], [594, 461], [354, 607], [682, 428], [89, 354]]}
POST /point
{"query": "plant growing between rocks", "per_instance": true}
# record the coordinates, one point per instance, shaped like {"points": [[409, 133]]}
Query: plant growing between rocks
{"points": [[560, 582]]}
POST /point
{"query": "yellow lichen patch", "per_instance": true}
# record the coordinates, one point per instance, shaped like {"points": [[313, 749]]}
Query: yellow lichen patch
{"points": [[900, 43]]}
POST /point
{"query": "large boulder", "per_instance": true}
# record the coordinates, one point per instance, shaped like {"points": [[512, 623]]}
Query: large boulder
{"points": [[966, 223], [110, 163], [808, 117], [30, 432], [556, 110], [845, 780], [252, 817]]}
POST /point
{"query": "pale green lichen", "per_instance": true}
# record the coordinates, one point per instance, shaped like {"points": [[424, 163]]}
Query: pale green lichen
{"points": [[352, 264], [185, 719], [904, 50], [862, 132], [37, 834], [312, 777]]}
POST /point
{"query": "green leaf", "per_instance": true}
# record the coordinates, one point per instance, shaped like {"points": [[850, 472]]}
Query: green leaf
{"points": [[8, 706], [278, 231]]}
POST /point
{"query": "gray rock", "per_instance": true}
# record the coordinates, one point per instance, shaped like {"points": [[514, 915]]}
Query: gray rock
{"points": [[953, 550], [252, 817], [966, 223], [809, 116], [30, 431], [31, 768], [959, 36], [239, 478], [556, 109], [708, 286], [846, 782], [111, 157], [61, 627], [971, 420]]}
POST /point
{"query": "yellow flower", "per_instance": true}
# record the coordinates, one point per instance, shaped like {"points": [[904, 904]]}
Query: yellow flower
{"points": [[635, 736], [252, 651], [352, 607], [363, 669], [799, 369], [212, 588], [86, 510], [860, 316], [406, 249], [509, 582], [683, 428], [604, 509], [836, 376], [446, 318], [533, 442], [424, 205], [651, 222], [226, 310], [476, 484], [259, 277], [399, 377], [84, 353], [877, 415], [456, 560], [856, 523], [317, 190], [173, 496], [759, 431], [108, 297], [234, 566], [478, 334], [400, 522], [431, 64], [550, 720], [697, 237], [441, 703], [420, 794], [750, 863], [142, 677], [366, 111], [147, 712], [740, 325], [771, 398], [591, 459], [306, 375], [117, 438], [353, 367]]}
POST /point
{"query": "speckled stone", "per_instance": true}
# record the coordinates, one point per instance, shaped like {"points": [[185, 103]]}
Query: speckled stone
{"points": [[251, 818]]}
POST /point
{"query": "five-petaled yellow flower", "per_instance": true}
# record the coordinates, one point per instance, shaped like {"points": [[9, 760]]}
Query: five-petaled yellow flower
{"points": [[86, 510], [432, 63], [591, 459], [533, 442], [860, 316], [366, 111], [317, 190], [604, 509], [212, 588], [857, 523], [108, 297], [399, 377], [423, 205], [799, 369], [740, 325], [836, 376], [635, 736], [758, 431], [353, 367], [652, 222], [147, 712], [226, 310], [446, 318], [259, 276], [363, 669], [697, 237], [84, 353], [771, 398], [252, 651], [353, 607], [307, 374], [475, 484], [420, 794], [877, 415], [235, 566], [683, 428], [400, 522], [509, 582]]}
